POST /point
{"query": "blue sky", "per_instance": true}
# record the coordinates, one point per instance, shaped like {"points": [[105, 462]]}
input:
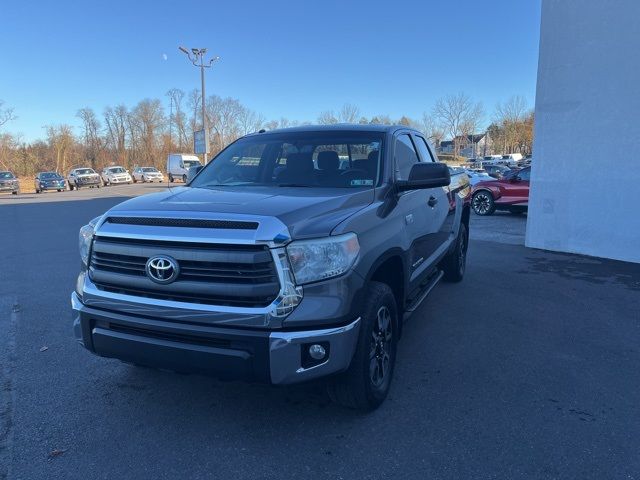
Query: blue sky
{"points": [[289, 59]]}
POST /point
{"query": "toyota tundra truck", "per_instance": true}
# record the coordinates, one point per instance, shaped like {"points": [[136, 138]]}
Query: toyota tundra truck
{"points": [[294, 254]]}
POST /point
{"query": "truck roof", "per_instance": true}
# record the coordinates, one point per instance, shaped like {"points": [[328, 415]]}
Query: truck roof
{"points": [[342, 127]]}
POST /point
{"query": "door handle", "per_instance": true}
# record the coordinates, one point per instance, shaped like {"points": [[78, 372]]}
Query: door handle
{"points": [[433, 201]]}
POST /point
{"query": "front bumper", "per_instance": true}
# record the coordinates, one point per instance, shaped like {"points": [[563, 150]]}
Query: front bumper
{"points": [[53, 187], [9, 188], [234, 353], [120, 180]]}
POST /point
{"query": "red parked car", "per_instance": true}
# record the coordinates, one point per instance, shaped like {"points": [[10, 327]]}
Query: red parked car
{"points": [[509, 193]]}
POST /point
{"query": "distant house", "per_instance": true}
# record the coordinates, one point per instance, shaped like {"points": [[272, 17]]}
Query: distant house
{"points": [[468, 145]]}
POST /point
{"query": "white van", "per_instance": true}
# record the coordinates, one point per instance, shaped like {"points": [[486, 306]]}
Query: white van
{"points": [[178, 165]]}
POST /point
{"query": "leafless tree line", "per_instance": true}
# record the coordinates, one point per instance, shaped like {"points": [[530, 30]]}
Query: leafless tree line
{"points": [[145, 133]]}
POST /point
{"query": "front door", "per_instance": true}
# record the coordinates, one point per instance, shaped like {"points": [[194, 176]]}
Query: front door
{"points": [[425, 213]]}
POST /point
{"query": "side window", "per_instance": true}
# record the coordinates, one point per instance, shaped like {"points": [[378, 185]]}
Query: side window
{"points": [[405, 157], [423, 149], [524, 174]]}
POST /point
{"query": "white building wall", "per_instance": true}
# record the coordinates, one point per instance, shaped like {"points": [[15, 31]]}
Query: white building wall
{"points": [[585, 188]]}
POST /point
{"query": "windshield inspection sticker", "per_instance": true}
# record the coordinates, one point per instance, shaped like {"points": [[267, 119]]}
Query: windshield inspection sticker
{"points": [[361, 183]]}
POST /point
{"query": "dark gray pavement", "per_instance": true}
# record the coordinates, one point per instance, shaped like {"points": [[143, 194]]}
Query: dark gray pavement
{"points": [[530, 368]]}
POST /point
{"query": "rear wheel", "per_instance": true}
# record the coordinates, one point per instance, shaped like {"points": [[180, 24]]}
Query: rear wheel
{"points": [[482, 203], [366, 383], [59, 189]]}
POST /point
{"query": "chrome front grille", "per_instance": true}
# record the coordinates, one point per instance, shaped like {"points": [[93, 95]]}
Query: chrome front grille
{"points": [[213, 274]]}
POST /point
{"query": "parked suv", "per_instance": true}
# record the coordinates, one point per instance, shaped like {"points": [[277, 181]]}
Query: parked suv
{"points": [[9, 183], [509, 193], [49, 181], [274, 264], [83, 177], [115, 176]]}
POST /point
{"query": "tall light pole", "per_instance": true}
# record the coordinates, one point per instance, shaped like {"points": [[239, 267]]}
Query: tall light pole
{"points": [[196, 56]]}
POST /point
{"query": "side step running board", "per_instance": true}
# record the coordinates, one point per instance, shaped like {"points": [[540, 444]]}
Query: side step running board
{"points": [[431, 282]]}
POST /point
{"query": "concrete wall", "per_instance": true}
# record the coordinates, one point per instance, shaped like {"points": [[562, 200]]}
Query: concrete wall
{"points": [[586, 158]]}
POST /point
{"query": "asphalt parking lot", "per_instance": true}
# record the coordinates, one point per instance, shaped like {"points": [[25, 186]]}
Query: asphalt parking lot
{"points": [[530, 368]]}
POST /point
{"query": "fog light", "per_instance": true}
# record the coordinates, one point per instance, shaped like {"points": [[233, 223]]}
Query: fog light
{"points": [[317, 352]]}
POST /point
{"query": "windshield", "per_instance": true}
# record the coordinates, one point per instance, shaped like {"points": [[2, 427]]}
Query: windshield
{"points": [[297, 159], [191, 163], [6, 175], [84, 171], [149, 169], [50, 176], [117, 170]]}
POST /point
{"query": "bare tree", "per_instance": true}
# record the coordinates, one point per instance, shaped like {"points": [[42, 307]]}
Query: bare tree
{"points": [[60, 138], [327, 117], [381, 120], [177, 118], [6, 114], [93, 142], [431, 129], [513, 131], [349, 113], [116, 127], [193, 103], [459, 116]]}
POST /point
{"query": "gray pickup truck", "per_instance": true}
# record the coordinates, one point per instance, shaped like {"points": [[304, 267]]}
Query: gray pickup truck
{"points": [[294, 254]]}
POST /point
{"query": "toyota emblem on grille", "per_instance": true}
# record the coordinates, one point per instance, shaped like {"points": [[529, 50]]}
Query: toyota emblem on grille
{"points": [[162, 269]]}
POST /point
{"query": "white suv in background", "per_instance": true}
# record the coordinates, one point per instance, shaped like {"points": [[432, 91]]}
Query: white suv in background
{"points": [[115, 175], [147, 174]]}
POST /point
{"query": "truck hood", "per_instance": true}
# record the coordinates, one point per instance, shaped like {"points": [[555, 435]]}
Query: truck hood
{"points": [[306, 212]]}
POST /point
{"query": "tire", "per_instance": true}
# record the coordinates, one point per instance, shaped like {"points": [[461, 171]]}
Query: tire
{"points": [[59, 189], [14, 193], [184, 178], [134, 179], [362, 386], [70, 187], [37, 191], [455, 263], [482, 203], [142, 179], [170, 178]]}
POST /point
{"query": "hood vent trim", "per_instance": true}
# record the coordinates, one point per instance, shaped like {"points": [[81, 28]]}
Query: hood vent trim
{"points": [[184, 223]]}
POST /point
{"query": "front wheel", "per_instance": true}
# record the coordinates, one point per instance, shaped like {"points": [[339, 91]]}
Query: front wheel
{"points": [[366, 383], [184, 178], [482, 203]]}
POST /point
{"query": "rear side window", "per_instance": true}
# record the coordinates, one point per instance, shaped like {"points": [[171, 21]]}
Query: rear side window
{"points": [[423, 149], [405, 155]]}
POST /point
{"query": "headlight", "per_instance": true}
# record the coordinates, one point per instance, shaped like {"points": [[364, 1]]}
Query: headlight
{"points": [[85, 237], [313, 260]]}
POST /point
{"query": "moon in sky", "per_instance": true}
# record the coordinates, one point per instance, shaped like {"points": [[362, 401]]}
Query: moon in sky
{"points": [[164, 56]]}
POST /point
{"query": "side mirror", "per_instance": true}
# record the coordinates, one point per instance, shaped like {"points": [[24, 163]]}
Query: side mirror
{"points": [[425, 175], [193, 171]]}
